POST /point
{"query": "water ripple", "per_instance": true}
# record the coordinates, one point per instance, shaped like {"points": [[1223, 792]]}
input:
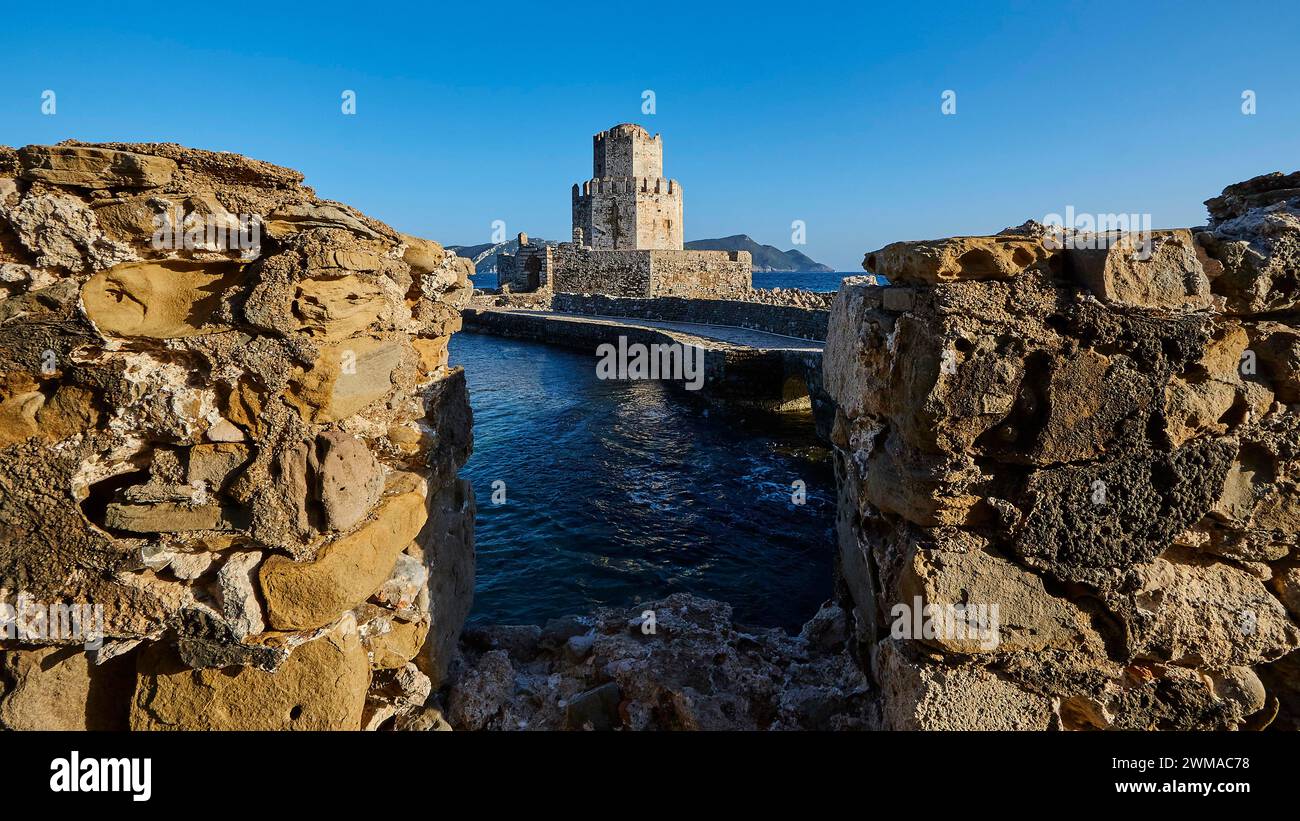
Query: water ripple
{"points": [[619, 492]]}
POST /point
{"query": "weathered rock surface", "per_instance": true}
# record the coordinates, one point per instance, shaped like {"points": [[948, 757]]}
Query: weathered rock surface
{"points": [[223, 419], [306, 595], [321, 686], [1068, 473], [59, 688]]}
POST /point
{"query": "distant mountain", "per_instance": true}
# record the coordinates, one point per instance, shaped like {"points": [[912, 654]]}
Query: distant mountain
{"points": [[484, 256], [766, 257]]}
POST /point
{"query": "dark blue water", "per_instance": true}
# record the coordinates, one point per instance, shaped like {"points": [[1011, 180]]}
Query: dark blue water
{"points": [[782, 279], [808, 282], [618, 492]]}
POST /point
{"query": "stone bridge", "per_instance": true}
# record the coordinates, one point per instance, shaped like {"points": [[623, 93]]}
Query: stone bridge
{"points": [[746, 366]]}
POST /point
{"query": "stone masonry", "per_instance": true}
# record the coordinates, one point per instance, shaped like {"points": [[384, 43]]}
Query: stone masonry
{"points": [[627, 234], [237, 459], [628, 203], [1068, 474]]}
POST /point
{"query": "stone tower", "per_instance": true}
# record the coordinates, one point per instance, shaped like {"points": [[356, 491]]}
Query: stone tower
{"points": [[628, 203]]}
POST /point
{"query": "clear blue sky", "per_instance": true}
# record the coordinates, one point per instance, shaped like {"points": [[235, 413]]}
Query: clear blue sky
{"points": [[474, 112]]}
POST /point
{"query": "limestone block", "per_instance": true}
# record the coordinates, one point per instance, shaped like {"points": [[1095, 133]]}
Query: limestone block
{"points": [[346, 377], [350, 479], [131, 219], [1011, 610], [898, 299], [289, 219], [18, 414], [292, 487], [403, 589], [1254, 236], [1157, 271], [338, 308], [1194, 408], [957, 258], [71, 410], [858, 348], [89, 167], [395, 692], [345, 259], [57, 688], [1087, 399], [237, 592], [161, 300], [1287, 585], [1208, 613], [62, 233], [190, 566], [170, 696], [172, 517], [432, 353], [423, 255], [964, 697], [347, 571], [926, 489], [214, 464], [224, 431], [1276, 346], [400, 644]]}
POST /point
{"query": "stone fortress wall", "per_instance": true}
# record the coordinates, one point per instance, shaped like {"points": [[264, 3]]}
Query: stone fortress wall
{"points": [[1103, 447], [626, 150], [628, 203], [627, 234], [247, 463], [798, 322], [638, 273], [527, 270], [238, 462], [623, 213]]}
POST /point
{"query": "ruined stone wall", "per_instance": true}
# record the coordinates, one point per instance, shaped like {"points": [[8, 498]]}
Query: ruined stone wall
{"points": [[793, 297], [239, 458], [577, 269], [701, 274], [581, 270], [527, 270], [803, 323], [1068, 476]]}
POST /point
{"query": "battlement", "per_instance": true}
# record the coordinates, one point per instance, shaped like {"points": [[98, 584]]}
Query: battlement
{"points": [[628, 185], [626, 150]]}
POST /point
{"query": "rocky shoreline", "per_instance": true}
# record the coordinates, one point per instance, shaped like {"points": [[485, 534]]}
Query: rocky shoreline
{"points": [[674, 664]]}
